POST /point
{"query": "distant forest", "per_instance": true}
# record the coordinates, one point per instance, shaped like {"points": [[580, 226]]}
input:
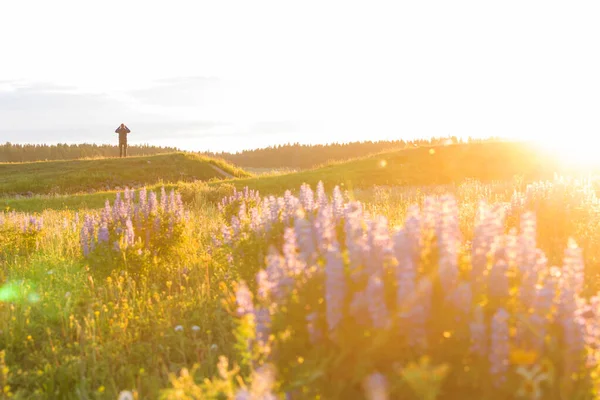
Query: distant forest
{"points": [[302, 156], [290, 156], [41, 152]]}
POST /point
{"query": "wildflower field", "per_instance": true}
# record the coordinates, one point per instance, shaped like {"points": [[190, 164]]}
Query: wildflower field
{"points": [[471, 290]]}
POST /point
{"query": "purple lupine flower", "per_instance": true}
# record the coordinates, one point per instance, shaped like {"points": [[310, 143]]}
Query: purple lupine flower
{"points": [[322, 200], [103, 234], [163, 199], [569, 307], [88, 237], [324, 226], [337, 204], [499, 347], [573, 267], [127, 195], [293, 264], [85, 241], [420, 313], [488, 226], [589, 314], [462, 299], [264, 285], [306, 239], [406, 270], [498, 284], [478, 333], [355, 239], [106, 214], [152, 204], [255, 224], [243, 297], [412, 226], [376, 303], [448, 242], [526, 251], [529, 281], [265, 216], [335, 289], [172, 202], [226, 232], [376, 387], [378, 245], [263, 325], [242, 212], [289, 206], [545, 297], [129, 233], [236, 226], [143, 198], [429, 217], [179, 203], [116, 206], [307, 198], [281, 279], [573, 328]]}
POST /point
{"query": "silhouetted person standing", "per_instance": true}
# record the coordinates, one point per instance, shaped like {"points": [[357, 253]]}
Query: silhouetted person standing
{"points": [[122, 130]]}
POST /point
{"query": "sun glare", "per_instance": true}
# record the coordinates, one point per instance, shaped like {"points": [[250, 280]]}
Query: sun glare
{"points": [[573, 153]]}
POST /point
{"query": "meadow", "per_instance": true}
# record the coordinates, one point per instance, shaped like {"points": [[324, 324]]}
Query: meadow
{"points": [[414, 275]]}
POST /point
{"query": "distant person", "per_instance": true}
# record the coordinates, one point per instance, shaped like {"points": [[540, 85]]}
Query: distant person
{"points": [[122, 130]]}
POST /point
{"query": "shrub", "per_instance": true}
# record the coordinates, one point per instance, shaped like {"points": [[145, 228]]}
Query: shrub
{"points": [[19, 233], [133, 233]]}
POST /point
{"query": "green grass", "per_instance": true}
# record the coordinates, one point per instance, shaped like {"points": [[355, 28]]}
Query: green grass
{"points": [[438, 165], [76, 176], [486, 162], [70, 332]]}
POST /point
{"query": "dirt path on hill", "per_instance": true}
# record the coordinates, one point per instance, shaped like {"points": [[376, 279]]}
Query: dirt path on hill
{"points": [[219, 170]]}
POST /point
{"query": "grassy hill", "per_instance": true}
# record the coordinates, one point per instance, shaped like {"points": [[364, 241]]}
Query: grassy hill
{"points": [[419, 166], [76, 176], [488, 161]]}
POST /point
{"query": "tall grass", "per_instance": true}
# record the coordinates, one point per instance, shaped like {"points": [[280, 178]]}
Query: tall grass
{"points": [[90, 326]]}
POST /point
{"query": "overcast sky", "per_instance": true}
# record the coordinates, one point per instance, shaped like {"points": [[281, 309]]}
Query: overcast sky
{"points": [[223, 75]]}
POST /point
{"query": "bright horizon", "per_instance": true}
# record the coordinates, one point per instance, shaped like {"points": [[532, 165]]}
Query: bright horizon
{"points": [[229, 76]]}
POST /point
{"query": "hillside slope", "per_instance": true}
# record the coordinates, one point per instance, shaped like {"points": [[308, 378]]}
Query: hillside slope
{"points": [[74, 176], [488, 161], [499, 161]]}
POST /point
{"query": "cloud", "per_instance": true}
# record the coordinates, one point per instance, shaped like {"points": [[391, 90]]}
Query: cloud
{"points": [[179, 92], [44, 112]]}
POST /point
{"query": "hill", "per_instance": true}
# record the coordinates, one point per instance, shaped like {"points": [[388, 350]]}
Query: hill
{"points": [[75, 176], [427, 165], [304, 156], [489, 161]]}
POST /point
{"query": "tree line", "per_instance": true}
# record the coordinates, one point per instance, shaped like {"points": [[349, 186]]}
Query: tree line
{"points": [[43, 152], [303, 156], [291, 156]]}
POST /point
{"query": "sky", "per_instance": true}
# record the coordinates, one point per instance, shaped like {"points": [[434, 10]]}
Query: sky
{"points": [[227, 76]]}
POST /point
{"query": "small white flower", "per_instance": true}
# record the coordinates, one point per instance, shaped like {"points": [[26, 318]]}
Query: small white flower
{"points": [[195, 328], [179, 328], [125, 395], [67, 295], [214, 347], [50, 272]]}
